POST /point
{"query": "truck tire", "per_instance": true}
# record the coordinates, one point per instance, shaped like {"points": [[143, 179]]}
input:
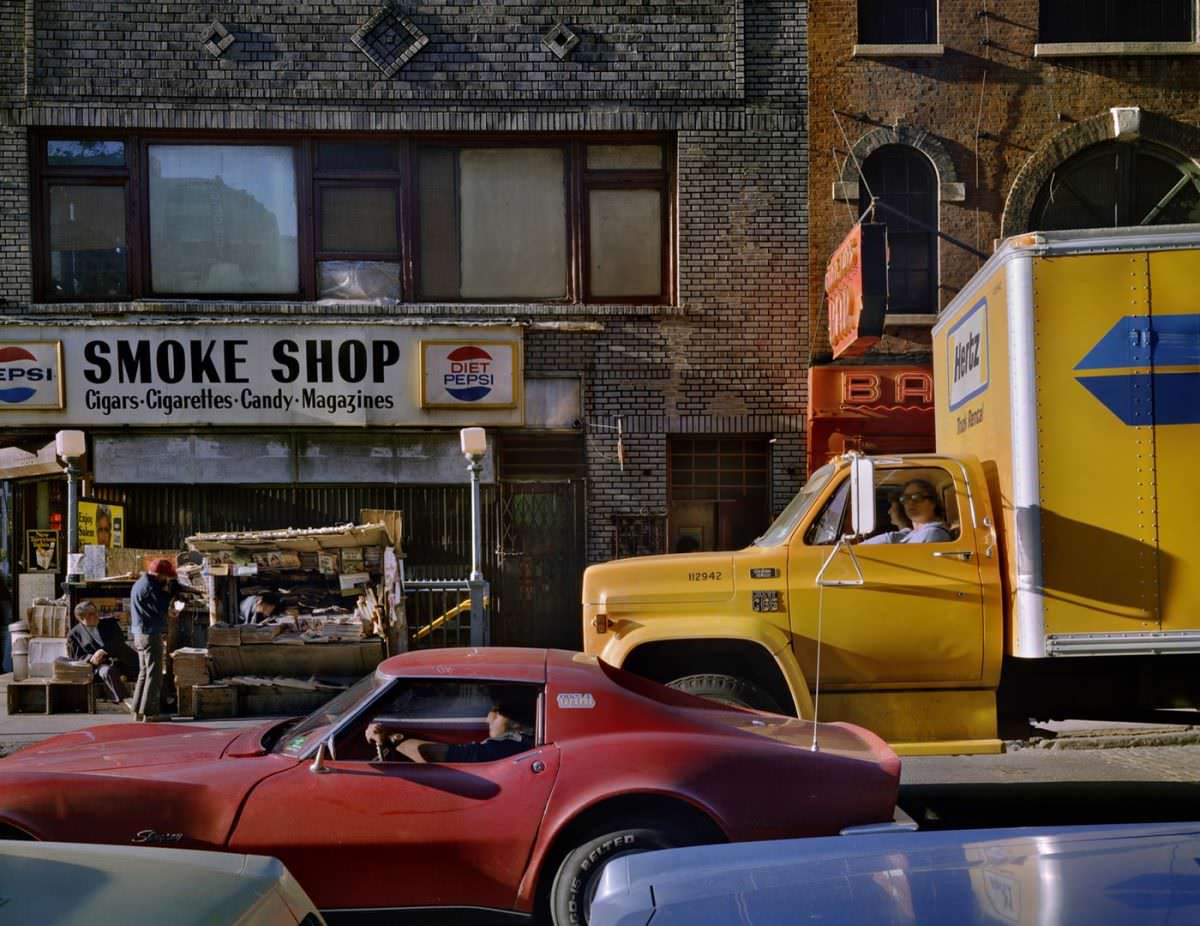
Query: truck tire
{"points": [[578, 875], [728, 689]]}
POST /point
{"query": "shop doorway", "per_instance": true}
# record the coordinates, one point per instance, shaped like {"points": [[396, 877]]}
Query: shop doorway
{"points": [[540, 563], [719, 490]]}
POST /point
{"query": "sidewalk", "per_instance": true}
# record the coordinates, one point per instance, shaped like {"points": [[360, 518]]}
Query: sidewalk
{"points": [[22, 729]]}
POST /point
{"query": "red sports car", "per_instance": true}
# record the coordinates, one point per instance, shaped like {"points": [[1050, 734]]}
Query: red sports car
{"points": [[615, 764]]}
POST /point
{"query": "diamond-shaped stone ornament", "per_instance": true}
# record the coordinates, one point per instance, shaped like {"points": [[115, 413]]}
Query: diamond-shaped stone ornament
{"points": [[389, 40], [216, 39], [560, 40]]}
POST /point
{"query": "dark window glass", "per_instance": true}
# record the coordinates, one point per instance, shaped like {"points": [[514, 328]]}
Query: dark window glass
{"points": [[903, 179], [92, 152], [1115, 21], [1118, 184], [356, 155], [359, 219], [897, 22], [88, 255]]}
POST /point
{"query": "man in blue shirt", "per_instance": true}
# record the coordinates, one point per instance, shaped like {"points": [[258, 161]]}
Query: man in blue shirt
{"points": [[148, 603]]}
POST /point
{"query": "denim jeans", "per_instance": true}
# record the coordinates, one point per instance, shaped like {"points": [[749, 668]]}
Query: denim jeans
{"points": [[147, 692]]}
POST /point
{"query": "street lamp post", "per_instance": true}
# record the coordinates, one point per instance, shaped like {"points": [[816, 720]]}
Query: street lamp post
{"points": [[70, 446], [474, 446]]}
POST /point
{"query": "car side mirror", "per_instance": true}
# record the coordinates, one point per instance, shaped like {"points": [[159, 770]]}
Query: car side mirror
{"points": [[862, 496], [318, 766]]}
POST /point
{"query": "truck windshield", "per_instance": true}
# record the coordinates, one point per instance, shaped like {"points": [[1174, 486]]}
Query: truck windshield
{"points": [[782, 529]]}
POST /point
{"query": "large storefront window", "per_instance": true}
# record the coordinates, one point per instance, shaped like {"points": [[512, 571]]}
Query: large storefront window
{"points": [[389, 218], [1118, 184], [223, 219]]}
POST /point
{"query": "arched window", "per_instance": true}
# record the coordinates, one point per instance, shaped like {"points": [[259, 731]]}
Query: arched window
{"points": [[1117, 184], [904, 179], [897, 22]]}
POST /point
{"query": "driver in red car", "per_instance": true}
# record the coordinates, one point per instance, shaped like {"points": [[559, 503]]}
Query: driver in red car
{"points": [[508, 734]]}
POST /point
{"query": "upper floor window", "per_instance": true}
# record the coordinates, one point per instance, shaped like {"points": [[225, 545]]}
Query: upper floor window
{"points": [[897, 22], [1117, 184], [383, 219], [904, 179], [1115, 21]]}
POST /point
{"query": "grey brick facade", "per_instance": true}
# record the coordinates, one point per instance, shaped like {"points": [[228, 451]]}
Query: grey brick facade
{"points": [[726, 78]]}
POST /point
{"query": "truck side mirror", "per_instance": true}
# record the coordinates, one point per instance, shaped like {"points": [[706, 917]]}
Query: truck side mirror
{"points": [[862, 496]]}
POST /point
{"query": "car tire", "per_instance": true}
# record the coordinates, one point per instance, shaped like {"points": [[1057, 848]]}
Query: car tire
{"points": [[728, 689], [579, 873]]}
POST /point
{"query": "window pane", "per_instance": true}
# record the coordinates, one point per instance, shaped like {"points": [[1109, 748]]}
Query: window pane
{"points": [[356, 155], [625, 228], [223, 219], [888, 22], [370, 280], [1115, 21], [359, 219], [436, 172], [87, 241], [513, 223], [624, 157], [90, 152]]}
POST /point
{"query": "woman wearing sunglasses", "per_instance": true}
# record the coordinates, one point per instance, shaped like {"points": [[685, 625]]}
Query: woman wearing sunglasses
{"points": [[921, 505]]}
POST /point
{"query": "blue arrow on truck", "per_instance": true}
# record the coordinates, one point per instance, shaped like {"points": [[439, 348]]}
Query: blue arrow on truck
{"points": [[1146, 369]]}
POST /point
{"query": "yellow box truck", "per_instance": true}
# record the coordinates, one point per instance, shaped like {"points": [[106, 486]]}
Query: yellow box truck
{"points": [[1043, 563]]}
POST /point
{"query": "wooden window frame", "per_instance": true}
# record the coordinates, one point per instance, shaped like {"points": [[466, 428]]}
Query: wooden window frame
{"points": [[311, 178]]}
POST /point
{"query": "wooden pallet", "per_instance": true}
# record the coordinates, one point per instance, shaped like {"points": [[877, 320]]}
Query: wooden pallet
{"points": [[48, 696]]}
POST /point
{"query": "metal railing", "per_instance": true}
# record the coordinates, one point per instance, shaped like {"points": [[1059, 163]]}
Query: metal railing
{"points": [[439, 613]]}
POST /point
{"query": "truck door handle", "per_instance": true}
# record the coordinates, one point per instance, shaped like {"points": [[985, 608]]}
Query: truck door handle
{"points": [[964, 555]]}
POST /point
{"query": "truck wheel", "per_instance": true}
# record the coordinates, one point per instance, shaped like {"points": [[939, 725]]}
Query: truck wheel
{"points": [[578, 876], [728, 689]]}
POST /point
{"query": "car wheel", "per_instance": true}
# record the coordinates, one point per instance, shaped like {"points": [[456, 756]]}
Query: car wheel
{"points": [[728, 689], [579, 874]]}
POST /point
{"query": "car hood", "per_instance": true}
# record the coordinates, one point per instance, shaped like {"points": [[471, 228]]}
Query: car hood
{"points": [[122, 746]]}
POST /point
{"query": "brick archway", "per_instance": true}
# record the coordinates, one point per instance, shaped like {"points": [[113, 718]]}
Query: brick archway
{"points": [[1118, 124], [950, 188]]}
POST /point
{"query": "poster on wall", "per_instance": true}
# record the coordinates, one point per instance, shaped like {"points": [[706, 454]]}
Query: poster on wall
{"points": [[101, 523], [44, 550]]}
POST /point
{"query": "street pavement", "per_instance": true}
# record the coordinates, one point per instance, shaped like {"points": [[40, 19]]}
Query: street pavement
{"points": [[1068, 772]]}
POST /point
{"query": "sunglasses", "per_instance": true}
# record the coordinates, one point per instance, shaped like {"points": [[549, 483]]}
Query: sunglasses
{"points": [[914, 497]]}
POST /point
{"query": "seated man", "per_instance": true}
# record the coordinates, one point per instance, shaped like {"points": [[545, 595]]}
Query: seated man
{"points": [[84, 642], [257, 608], [507, 736]]}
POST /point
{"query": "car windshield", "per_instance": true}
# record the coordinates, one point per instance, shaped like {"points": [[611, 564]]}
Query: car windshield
{"points": [[323, 719], [782, 529]]}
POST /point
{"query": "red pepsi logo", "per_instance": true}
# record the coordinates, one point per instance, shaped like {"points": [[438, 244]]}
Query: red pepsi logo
{"points": [[469, 377], [18, 366]]}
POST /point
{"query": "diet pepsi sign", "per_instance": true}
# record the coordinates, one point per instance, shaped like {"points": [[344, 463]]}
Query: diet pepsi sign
{"points": [[30, 375], [476, 374]]}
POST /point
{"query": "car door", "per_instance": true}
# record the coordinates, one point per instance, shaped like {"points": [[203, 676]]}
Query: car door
{"points": [[917, 617], [398, 834]]}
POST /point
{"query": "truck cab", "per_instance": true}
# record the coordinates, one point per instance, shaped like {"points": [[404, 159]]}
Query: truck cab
{"points": [[905, 637]]}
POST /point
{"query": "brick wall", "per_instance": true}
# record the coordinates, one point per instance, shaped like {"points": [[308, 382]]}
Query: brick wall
{"points": [[988, 79], [728, 78]]}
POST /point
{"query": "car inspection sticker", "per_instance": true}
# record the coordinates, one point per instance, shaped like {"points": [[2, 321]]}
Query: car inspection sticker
{"points": [[576, 700]]}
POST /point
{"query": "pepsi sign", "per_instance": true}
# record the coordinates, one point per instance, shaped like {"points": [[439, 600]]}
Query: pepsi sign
{"points": [[460, 374], [30, 375]]}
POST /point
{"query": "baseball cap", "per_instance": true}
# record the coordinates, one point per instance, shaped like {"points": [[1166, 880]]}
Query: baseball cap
{"points": [[162, 567]]}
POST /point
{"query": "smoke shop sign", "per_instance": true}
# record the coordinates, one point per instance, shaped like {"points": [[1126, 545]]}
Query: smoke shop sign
{"points": [[246, 374]]}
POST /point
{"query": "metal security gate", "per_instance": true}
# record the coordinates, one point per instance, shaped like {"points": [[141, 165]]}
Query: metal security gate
{"points": [[540, 564]]}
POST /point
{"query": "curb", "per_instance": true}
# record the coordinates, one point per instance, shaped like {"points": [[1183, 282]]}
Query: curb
{"points": [[1111, 739]]}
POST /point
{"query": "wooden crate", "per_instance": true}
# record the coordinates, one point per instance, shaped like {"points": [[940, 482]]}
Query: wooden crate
{"points": [[184, 703], [46, 696], [209, 701]]}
